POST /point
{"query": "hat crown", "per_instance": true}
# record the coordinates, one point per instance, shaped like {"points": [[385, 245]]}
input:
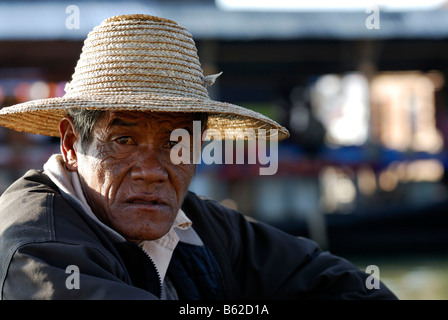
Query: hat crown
{"points": [[139, 54]]}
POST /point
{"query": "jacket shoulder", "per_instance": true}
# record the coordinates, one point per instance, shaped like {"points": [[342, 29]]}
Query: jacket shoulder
{"points": [[34, 181], [33, 210], [211, 217], [27, 204]]}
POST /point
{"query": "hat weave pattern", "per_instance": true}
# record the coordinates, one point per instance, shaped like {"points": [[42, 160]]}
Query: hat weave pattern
{"points": [[139, 63]]}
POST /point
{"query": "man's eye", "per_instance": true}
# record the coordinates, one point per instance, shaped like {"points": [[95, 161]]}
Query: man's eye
{"points": [[125, 140], [172, 143]]}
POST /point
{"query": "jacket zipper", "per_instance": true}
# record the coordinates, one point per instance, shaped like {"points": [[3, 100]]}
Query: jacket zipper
{"points": [[218, 267], [157, 271]]}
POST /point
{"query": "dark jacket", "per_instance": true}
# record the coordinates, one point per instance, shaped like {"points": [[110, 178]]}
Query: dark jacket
{"points": [[43, 235]]}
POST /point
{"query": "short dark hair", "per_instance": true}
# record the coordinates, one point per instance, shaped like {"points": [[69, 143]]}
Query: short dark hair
{"points": [[84, 120]]}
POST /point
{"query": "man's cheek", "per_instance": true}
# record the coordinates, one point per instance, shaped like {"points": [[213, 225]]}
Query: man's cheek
{"points": [[184, 174]]}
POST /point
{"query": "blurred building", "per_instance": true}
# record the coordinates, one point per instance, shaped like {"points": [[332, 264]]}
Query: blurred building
{"points": [[365, 166]]}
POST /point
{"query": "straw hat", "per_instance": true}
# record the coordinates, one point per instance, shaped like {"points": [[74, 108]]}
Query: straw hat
{"points": [[139, 63]]}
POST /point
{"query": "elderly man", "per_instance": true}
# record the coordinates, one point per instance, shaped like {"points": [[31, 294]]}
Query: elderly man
{"points": [[111, 217]]}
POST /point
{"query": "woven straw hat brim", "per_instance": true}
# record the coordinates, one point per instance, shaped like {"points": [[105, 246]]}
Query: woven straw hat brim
{"points": [[43, 116], [140, 63]]}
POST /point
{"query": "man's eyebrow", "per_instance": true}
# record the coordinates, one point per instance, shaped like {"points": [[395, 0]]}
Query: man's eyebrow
{"points": [[188, 128], [121, 123]]}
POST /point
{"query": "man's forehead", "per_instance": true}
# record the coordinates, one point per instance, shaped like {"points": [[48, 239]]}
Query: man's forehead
{"points": [[175, 119]]}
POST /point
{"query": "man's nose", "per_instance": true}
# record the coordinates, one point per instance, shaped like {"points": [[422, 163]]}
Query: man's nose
{"points": [[149, 169]]}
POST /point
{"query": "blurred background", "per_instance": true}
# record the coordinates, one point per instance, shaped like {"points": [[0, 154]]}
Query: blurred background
{"points": [[361, 85]]}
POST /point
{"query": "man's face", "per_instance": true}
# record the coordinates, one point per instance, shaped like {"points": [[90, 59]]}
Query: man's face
{"points": [[127, 175]]}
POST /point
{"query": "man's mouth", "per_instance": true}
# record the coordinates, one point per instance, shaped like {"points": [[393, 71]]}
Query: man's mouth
{"points": [[145, 200]]}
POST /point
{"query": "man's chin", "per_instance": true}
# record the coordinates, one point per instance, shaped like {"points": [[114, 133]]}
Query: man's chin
{"points": [[144, 224]]}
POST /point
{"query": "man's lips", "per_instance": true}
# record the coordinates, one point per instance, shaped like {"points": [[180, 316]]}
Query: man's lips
{"points": [[146, 200]]}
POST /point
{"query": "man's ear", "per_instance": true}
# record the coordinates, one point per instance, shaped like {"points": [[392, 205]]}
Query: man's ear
{"points": [[68, 140]]}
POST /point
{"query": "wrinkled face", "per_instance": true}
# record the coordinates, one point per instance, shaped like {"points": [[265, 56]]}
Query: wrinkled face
{"points": [[126, 172]]}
